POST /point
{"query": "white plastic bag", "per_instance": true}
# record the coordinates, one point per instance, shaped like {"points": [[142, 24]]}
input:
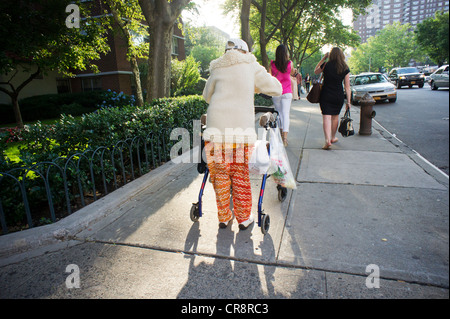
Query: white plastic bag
{"points": [[302, 90], [282, 173], [259, 161]]}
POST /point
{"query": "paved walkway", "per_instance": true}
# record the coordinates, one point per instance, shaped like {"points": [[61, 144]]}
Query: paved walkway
{"points": [[370, 205]]}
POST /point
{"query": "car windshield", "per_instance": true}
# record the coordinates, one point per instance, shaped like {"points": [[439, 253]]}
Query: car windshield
{"points": [[369, 79], [407, 70]]}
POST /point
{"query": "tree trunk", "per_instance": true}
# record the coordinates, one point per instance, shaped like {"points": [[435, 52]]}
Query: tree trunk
{"points": [[262, 35], [159, 60], [264, 57], [161, 16], [245, 23], [137, 81], [14, 94], [16, 108]]}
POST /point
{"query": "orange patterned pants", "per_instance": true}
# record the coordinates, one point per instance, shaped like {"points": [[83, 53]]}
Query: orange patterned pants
{"points": [[228, 167]]}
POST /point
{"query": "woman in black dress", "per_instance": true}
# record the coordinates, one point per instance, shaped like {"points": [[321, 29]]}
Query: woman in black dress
{"points": [[332, 96]]}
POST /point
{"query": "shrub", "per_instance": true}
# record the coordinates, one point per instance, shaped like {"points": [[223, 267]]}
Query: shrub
{"points": [[104, 128], [259, 100], [108, 125], [185, 76], [114, 99]]}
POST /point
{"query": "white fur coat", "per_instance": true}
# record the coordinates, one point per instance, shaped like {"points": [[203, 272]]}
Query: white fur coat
{"points": [[230, 89]]}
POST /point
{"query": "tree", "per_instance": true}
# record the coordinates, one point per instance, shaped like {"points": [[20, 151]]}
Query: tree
{"points": [[161, 16], [202, 44], [309, 64], [313, 25], [361, 59], [128, 16], [432, 35], [305, 26], [184, 76], [245, 23], [267, 24], [393, 46], [35, 39]]}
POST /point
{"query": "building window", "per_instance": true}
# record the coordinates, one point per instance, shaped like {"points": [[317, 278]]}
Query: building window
{"points": [[63, 86], [175, 46], [91, 84]]}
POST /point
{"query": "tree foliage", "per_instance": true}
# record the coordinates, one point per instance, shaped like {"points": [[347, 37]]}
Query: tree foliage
{"points": [[305, 26], [34, 38], [432, 36], [393, 46], [184, 76], [203, 45], [34, 32], [314, 25]]}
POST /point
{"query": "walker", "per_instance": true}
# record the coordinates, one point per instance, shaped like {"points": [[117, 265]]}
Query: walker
{"points": [[267, 120]]}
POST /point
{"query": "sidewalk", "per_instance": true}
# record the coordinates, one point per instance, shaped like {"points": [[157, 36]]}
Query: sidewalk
{"points": [[368, 201]]}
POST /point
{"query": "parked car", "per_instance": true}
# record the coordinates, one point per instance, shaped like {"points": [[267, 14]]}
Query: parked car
{"points": [[428, 70], [376, 84], [439, 78], [406, 76]]}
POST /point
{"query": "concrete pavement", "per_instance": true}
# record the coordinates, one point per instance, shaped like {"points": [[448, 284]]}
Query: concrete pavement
{"points": [[369, 205]]}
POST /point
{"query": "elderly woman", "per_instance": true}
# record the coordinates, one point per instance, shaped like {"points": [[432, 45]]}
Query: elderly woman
{"points": [[230, 127]]}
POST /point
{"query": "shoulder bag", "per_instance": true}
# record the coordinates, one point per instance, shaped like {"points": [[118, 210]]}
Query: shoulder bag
{"points": [[314, 94]]}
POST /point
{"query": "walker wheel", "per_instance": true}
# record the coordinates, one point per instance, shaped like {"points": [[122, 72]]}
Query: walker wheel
{"points": [[282, 193], [265, 223], [195, 213]]}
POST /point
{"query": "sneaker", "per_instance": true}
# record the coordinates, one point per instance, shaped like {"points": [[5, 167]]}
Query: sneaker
{"points": [[225, 224], [244, 225]]}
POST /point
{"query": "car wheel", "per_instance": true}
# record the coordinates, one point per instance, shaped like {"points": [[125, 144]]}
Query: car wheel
{"points": [[393, 100], [398, 85], [433, 86], [420, 86]]}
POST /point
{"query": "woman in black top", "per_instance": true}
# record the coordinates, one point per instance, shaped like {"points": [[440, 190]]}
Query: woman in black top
{"points": [[332, 97]]}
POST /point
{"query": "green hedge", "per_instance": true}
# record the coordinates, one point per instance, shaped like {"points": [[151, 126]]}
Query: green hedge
{"points": [[103, 127], [260, 101], [107, 126]]}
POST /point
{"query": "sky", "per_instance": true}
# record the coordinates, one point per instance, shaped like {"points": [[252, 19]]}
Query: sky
{"points": [[210, 14]]}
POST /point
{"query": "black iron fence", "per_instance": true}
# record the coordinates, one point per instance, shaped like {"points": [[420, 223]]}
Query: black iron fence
{"points": [[48, 191]]}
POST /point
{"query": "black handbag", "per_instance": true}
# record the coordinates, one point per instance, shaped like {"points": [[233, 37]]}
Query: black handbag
{"points": [[346, 125], [314, 94]]}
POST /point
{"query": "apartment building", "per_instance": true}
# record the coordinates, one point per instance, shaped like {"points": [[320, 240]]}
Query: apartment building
{"points": [[384, 12]]}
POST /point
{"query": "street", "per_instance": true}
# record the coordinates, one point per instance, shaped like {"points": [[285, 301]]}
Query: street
{"points": [[420, 118]]}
